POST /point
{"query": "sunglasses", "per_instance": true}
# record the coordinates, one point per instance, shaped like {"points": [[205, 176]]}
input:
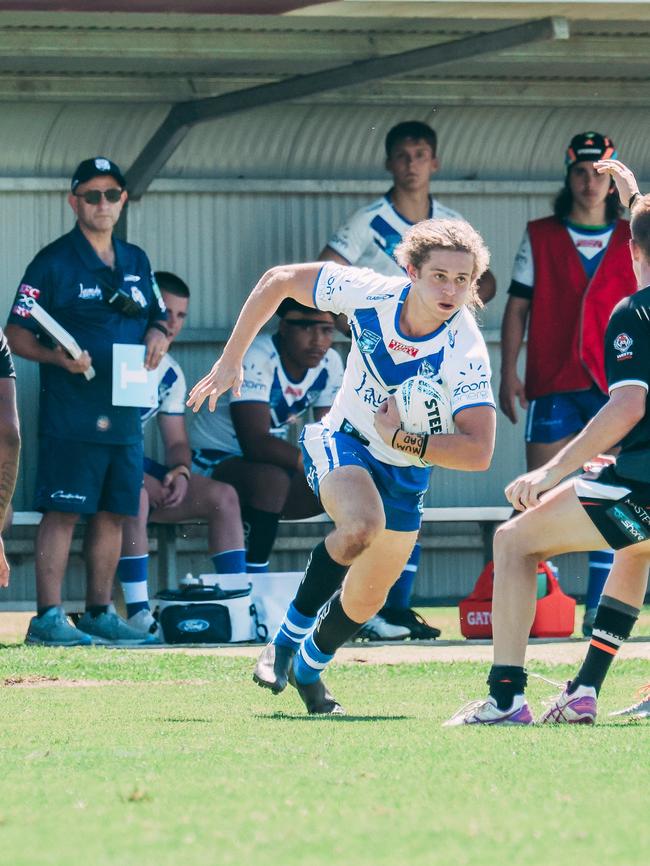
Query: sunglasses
{"points": [[94, 196]]}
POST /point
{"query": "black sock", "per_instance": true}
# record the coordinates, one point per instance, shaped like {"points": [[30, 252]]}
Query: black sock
{"points": [[260, 530], [323, 576], [506, 681], [612, 627], [96, 610], [41, 610], [334, 627]]}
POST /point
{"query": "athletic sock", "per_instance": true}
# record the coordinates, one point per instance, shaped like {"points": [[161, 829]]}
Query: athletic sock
{"points": [[96, 610], [41, 611], [612, 627], [323, 577], [132, 572], [399, 597], [600, 564], [260, 530], [257, 567], [229, 561], [333, 629], [506, 681], [293, 628]]}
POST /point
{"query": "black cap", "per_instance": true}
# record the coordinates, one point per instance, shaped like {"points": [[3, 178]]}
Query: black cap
{"points": [[98, 166], [589, 147]]}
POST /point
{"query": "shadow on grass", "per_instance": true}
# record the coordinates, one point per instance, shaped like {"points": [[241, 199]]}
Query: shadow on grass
{"points": [[280, 716], [182, 721]]}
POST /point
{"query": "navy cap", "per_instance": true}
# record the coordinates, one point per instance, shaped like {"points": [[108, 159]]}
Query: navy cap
{"points": [[98, 166], [589, 147]]}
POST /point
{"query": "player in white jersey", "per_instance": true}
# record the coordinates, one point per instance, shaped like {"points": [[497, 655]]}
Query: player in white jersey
{"points": [[365, 469], [171, 492], [369, 239], [245, 441]]}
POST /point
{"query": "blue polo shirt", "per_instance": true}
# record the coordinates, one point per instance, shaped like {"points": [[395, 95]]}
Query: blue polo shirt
{"points": [[66, 278]]}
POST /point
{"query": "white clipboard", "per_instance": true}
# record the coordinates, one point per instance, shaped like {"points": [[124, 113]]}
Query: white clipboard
{"points": [[58, 334]]}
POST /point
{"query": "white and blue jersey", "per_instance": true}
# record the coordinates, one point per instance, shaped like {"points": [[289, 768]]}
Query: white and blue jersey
{"points": [[172, 389], [266, 381], [369, 237], [382, 356]]}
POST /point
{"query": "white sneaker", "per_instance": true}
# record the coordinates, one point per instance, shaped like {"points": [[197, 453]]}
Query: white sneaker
{"points": [[488, 713], [640, 710], [378, 629], [144, 621], [577, 708]]}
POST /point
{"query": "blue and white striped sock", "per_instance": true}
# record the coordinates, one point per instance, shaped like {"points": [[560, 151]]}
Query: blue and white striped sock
{"points": [[132, 572], [293, 628], [229, 561], [600, 564], [257, 567], [309, 661]]}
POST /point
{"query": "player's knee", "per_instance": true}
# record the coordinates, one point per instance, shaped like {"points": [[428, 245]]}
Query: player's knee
{"points": [[222, 498], [513, 539], [357, 535]]}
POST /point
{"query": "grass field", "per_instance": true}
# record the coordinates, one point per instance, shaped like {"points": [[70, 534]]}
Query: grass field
{"points": [[154, 758]]}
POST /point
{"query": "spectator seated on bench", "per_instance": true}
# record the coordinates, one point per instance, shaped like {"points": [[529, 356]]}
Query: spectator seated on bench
{"points": [[171, 492]]}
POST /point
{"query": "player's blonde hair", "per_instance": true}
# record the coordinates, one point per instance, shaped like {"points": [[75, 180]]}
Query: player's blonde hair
{"points": [[444, 234]]}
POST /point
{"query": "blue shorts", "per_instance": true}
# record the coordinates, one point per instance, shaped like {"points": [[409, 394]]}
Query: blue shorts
{"points": [[556, 416], [87, 477], [206, 460], [401, 488]]}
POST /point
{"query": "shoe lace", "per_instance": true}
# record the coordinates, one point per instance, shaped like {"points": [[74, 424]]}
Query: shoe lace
{"points": [[470, 708]]}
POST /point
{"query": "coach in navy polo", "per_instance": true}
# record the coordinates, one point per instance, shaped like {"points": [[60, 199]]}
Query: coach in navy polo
{"points": [[101, 290]]}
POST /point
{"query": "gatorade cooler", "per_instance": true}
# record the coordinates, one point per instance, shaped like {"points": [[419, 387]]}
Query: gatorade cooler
{"points": [[554, 616]]}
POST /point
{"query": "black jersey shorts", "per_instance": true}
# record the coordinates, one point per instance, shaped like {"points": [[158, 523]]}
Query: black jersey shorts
{"points": [[618, 507]]}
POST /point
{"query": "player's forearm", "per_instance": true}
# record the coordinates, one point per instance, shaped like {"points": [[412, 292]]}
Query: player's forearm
{"points": [[270, 449], [513, 331], [605, 430], [178, 454], [274, 286], [467, 452]]}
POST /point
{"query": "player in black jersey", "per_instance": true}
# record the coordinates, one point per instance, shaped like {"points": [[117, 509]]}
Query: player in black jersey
{"points": [[608, 505]]}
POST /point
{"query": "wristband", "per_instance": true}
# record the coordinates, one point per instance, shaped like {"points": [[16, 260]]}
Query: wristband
{"points": [[182, 469], [633, 198], [425, 442], [160, 327]]}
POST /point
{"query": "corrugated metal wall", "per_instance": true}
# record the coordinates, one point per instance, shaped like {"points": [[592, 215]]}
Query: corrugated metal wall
{"points": [[270, 186]]}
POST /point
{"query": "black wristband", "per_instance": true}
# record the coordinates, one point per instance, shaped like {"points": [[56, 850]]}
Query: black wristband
{"points": [[633, 198], [160, 327], [425, 442], [392, 441]]}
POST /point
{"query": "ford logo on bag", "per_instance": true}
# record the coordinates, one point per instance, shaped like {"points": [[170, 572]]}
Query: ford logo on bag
{"points": [[193, 625]]}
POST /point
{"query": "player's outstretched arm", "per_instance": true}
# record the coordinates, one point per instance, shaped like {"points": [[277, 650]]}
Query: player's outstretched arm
{"points": [[626, 407], [623, 178], [283, 281]]}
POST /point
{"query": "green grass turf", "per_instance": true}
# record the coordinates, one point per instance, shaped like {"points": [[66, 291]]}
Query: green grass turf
{"points": [[175, 759]]}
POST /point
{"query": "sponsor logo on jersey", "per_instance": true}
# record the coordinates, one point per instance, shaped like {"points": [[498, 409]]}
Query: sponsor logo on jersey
{"points": [[622, 344], [384, 297], [426, 369], [26, 296], [131, 278], [478, 387], [590, 242], [368, 341], [251, 385], [404, 347], [138, 297], [293, 392], [89, 293]]}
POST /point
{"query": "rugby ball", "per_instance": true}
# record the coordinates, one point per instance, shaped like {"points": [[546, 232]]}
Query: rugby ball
{"points": [[424, 406]]}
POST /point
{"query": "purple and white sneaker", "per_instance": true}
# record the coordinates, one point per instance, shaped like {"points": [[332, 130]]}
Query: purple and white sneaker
{"points": [[577, 708], [486, 712]]}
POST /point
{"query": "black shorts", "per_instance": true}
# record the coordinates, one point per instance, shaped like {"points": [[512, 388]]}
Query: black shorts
{"points": [[618, 507], [87, 477]]}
